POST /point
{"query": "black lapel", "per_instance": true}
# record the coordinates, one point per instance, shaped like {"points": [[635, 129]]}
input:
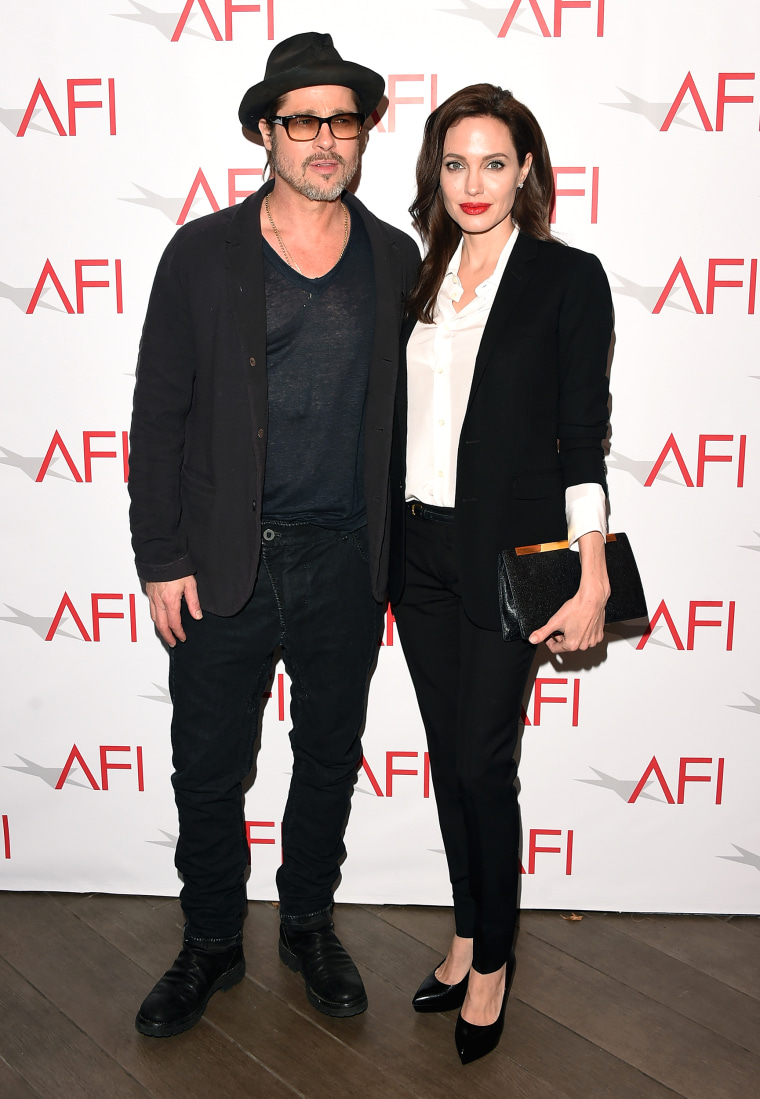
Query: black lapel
{"points": [[514, 280], [244, 273], [384, 356], [386, 261], [402, 400], [244, 269]]}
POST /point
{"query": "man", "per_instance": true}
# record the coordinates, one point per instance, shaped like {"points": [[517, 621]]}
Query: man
{"points": [[258, 476]]}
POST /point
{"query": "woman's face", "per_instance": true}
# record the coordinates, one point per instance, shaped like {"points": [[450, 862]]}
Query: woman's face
{"points": [[480, 173]]}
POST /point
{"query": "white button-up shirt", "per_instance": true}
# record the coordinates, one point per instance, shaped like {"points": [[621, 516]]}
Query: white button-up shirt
{"points": [[440, 366]]}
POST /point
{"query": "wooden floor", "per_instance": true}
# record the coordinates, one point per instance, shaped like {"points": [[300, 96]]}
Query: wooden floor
{"points": [[630, 1007]]}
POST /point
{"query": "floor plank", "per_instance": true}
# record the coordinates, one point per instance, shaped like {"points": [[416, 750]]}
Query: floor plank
{"points": [[99, 989], [612, 1007], [47, 1052], [600, 943], [695, 940], [13, 1086], [750, 924], [681, 1054]]}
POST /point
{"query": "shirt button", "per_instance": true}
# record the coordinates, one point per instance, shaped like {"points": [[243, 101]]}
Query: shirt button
{"points": [[440, 473], [441, 423], [440, 370]]}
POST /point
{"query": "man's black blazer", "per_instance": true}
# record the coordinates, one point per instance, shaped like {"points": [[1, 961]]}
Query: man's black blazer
{"points": [[199, 424], [536, 416]]}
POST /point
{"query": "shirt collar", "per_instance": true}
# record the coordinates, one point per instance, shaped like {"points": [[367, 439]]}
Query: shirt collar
{"points": [[451, 287]]}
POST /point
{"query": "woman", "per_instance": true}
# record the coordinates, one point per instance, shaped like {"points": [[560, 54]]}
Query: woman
{"points": [[501, 413]]}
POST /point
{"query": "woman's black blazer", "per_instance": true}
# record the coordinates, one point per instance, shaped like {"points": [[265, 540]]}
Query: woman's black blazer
{"points": [[535, 421]]}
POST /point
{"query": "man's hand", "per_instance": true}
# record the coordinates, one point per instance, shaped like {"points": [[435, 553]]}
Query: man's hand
{"points": [[165, 602]]}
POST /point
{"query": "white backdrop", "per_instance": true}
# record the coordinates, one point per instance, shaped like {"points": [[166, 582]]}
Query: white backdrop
{"points": [[118, 120]]}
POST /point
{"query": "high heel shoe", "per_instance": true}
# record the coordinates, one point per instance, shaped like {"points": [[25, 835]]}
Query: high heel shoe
{"points": [[434, 995], [473, 1041]]}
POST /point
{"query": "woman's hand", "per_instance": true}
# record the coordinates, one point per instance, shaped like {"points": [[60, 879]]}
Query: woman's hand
{"points": [[579, 623]]}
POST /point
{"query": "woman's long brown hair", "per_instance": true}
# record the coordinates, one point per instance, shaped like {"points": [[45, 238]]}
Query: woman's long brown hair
{"points": [[440, 233]]}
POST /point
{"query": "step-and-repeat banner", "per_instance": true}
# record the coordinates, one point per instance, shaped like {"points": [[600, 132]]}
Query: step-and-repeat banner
{"points": [[118, 123]]}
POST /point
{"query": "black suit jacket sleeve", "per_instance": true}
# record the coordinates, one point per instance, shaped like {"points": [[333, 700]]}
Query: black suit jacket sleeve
{"points": [[583, 343], [166, 371]]}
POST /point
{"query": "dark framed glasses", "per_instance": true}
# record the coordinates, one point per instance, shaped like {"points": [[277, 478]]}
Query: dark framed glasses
{"points": [[305, 127]]}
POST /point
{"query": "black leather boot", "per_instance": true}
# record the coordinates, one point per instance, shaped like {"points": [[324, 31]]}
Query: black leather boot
{"points": [[333, 984], [179, 999]]}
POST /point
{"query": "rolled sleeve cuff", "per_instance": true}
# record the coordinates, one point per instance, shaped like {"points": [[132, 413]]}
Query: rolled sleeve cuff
{"points": [[158, 574], [585, 510]]}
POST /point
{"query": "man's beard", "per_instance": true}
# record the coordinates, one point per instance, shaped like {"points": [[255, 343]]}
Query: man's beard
{"points": [[330, 191]]}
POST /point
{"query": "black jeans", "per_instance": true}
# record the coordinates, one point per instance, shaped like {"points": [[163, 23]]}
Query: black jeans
{"points": [[313, 599], [469, 685]]}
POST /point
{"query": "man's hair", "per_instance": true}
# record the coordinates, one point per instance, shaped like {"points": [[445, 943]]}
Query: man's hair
{"points": [[533, 202]]}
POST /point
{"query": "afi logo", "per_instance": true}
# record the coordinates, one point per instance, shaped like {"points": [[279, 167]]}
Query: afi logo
{"points": [[577, 192], [534, 849], [234, 192], [713, 283], [557, 7], [229, 9], [40, 95], [654, 769], [106, 765], [395, 100], [703, 458], [695, 605], [252, 838], [80, 284], [6, 837], [540, 699], [280, 696], [391, 770], [689, 88], [97, 615], [57, 444]]}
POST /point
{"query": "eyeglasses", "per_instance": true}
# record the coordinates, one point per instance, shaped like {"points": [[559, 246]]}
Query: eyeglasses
{"points": [[305, 127]]}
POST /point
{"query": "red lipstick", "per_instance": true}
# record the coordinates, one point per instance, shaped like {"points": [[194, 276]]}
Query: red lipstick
{"points": [[474, 207]]}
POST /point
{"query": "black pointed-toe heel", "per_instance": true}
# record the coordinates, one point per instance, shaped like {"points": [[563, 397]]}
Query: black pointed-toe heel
{"points": [[474, 1041], [434, 995]]}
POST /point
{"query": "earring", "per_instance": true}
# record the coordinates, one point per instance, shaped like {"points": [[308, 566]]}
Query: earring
{"points": [[519, 186]]}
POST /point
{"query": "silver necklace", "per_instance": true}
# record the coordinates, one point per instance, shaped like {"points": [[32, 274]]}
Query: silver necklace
{"points": [[288, 258]]}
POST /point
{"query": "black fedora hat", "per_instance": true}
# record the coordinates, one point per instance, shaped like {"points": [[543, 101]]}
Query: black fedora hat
{"points": [[304, 61]]}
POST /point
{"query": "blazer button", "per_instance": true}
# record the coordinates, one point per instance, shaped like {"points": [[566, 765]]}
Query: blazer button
{"points": [[260, 433], [253, 506], [252, 361]]}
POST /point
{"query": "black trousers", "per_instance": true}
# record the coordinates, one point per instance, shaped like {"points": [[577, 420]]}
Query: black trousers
{"points": [[313, 598], [469, 685]]}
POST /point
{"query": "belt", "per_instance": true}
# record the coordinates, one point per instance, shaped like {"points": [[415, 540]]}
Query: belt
{"points": [[430, 512]]}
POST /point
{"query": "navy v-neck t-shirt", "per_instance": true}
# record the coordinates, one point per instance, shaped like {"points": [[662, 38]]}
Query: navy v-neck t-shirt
{"points": [[319, 342]]}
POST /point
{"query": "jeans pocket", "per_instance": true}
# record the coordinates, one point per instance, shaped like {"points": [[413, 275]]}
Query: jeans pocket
{"points": [[360, 541]]}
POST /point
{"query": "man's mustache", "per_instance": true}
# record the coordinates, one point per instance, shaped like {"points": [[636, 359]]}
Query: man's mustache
{"points": [[323, 156]]}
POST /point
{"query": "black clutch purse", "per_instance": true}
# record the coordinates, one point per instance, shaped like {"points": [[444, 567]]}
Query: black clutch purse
{"points": [[534, 582]]}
